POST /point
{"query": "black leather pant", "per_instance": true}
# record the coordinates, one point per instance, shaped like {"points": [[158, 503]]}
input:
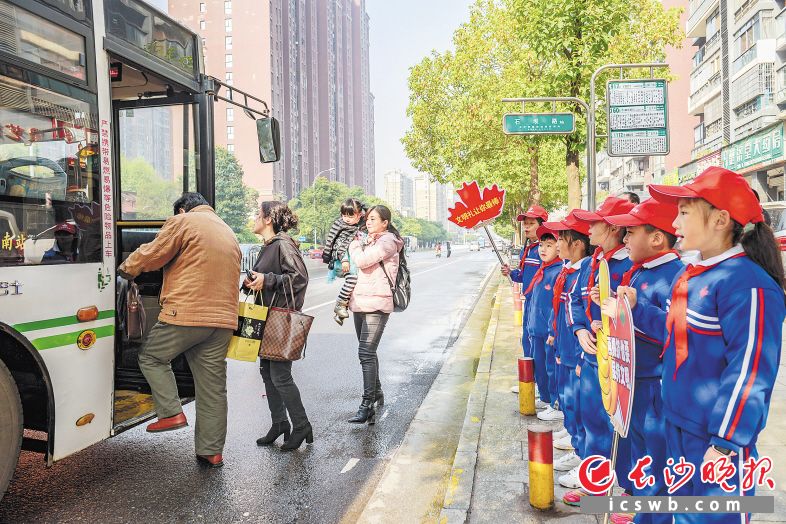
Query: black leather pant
{"points": [[369, 328], [282, 393]]}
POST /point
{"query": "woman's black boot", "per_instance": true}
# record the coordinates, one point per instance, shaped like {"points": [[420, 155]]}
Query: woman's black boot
{"points": [[297, 438], [278, 429], [365, 414]]}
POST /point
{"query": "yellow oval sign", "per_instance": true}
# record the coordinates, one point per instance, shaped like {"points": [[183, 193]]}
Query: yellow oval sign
{"points": [[85, 419]]}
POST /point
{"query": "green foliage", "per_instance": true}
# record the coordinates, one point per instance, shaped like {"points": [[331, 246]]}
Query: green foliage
{"points": [[154, 196], [235, 202], [319, 206], [516, 48]]}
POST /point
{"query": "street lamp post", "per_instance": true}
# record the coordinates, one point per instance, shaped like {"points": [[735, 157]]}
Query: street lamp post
{"points": [[315, 203]]}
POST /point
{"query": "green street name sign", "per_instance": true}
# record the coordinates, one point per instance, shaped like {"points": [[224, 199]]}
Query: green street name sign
{"points": [[538, 123]]}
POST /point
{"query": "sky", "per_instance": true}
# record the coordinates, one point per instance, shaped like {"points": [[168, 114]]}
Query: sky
{"points": [[402, 32]]}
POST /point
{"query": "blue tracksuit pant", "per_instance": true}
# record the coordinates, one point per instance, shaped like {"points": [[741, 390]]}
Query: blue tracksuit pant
{"points": [[526, 344], [541, 375], [551, 372], [680, 443], [568, 402], [598, 431], [647, 435]]}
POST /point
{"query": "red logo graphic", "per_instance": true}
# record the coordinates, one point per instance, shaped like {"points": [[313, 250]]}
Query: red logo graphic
{"points": [[638, 476], [682, 469], [475, 208], [596, 475]]}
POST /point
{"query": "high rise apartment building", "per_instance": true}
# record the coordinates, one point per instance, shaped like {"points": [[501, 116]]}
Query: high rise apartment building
{"points": [[738, 89], [400, 192], [321, 93], [310, 60], [235, 41], [431, 199]]}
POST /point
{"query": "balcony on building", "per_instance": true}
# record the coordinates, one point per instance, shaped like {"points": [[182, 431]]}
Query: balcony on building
{"points": [[780, 30], [761, 51], [780, 85], [707, 49], [705, 83], [697, 16]]}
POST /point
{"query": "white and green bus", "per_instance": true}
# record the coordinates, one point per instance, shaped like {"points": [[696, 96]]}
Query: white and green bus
{"points": [[106, 116]]}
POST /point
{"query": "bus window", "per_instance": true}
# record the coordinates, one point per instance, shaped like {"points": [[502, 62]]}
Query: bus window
{"points": [[157, 160], [49, 177]]}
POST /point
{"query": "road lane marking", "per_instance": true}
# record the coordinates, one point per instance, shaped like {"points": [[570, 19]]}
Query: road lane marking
{"points": [[351, 464]]}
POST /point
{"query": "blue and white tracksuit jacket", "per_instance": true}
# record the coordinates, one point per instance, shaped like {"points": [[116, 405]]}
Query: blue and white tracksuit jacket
{"points": [[721, 393], [565, 348], [598, 431], [647, 434], [538, 329], [529, 262]]}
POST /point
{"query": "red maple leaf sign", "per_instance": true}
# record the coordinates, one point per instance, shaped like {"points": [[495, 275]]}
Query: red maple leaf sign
{"points": [[475, 208]]}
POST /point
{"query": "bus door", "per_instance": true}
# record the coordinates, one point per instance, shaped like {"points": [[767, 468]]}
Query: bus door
{"points": [[156, 128]]}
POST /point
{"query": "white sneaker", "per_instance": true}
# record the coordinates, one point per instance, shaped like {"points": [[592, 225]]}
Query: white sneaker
{"points": [[563, 443], [550, 414], [570, 479], [567, 462], [514, 389], [539, 404], [559, 434]]}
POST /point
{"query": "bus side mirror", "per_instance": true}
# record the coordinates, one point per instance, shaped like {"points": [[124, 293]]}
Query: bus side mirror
{"points": [[269, 137]]}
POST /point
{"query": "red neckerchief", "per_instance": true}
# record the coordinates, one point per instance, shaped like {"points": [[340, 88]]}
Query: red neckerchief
{"points": [[595, 267], [539, 274], [635, 267], [527, 249], [559, 286], [677, 319]]}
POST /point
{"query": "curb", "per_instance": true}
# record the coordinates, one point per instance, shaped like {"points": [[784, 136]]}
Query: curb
{"points": [[456, 504], [458, 362]]}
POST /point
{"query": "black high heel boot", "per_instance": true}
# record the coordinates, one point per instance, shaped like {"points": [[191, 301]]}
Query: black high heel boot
{"points": [[297, 438], [365, 414], [278, 429]]}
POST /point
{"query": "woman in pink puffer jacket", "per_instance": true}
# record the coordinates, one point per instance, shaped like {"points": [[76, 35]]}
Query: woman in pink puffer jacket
{"points": [[377, 259]]}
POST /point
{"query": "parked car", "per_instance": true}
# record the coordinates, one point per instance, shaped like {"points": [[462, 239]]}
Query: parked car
{"points": [[474, 246], [315, 252]]}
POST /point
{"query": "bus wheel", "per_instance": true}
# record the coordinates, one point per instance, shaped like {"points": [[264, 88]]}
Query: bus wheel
{"points": [[10, 427]]}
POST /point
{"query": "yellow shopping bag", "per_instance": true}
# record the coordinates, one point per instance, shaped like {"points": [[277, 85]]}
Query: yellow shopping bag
{"points": [[246, 339]]}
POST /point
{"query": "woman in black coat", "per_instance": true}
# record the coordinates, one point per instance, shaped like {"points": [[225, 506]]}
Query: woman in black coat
{"points": [[279, 262]]}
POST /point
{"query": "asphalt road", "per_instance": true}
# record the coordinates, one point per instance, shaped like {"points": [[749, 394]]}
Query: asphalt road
{"points": [[137, 477]]}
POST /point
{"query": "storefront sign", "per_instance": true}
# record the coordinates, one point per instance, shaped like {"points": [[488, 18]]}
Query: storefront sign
{"points": [[765, 146]]}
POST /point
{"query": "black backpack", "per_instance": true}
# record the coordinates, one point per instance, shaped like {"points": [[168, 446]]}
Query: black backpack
{"points": [[402, 289]]}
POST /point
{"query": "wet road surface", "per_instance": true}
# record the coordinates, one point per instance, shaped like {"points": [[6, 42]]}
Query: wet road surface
{"points": [[137, 477]]}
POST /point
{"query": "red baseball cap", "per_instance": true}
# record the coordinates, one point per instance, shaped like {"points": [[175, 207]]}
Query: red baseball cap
{"points": [[610, 206], [534, 211], [720, 187], [65, 226], [570, 222], [543, 231], [650, 212]]}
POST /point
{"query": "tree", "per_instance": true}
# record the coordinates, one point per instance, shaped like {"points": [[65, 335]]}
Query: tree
{"points": [[513, 48], [235, 202], [573, 39], [154, 195]]}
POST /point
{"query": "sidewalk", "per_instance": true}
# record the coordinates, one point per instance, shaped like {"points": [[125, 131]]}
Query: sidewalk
{"points": [[489, 480]]}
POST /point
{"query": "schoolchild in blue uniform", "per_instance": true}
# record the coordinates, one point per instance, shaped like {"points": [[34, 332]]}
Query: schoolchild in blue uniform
{"points": [[723, 330], [573, 246], [541, 293], [529, 263], [650, 240], [586, 320]]}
